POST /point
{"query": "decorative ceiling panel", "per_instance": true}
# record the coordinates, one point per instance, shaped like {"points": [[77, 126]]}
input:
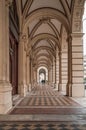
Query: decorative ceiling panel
{"points": [[51, 18], [43, 43], [37, 4], [42, 57], [57, 24], [42, 52], [32, 25], [69, 3], [23, 3], [44, 28]]}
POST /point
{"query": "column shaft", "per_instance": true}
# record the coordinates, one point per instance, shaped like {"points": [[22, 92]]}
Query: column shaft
{"points": [[5, 86]]}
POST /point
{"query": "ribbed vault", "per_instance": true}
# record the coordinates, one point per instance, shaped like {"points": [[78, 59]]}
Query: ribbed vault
{"points": [[48, 26], [43, 21]]}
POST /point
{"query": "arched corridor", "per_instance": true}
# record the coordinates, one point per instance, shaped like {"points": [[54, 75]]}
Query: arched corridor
{"points": [[41, 58]]}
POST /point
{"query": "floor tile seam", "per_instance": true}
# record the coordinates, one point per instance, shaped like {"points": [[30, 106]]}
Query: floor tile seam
{"points": [[47, 107]]}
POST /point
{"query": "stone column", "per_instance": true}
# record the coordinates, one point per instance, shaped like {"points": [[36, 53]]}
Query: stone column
{"points": [[69, 84], [35, 74], [77, 65], [22, 64], [54, 71], [64, 68], [32, 74], [57, 70], [28, 74], [5, 86], [75, 86], [60, 72], [50, 75]]}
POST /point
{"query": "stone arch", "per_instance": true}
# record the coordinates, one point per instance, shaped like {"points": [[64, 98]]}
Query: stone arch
{"points": [[45, 36], [44, 12]]}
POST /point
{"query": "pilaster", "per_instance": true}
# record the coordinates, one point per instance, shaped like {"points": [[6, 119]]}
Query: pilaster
{"points": [[22, 66], [5, 86], [75, 86], [57, 70], [60, 72], [77, 65]]}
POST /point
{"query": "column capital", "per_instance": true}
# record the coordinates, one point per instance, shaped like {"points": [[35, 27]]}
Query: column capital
{"points": [[70, 36], [24, 40], [77, 35], [8, 2], [23, 37]]}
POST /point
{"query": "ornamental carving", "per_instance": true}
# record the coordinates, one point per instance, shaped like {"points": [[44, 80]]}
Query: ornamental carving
{"points": [[8, 2], [80, 2], [77, 26]]}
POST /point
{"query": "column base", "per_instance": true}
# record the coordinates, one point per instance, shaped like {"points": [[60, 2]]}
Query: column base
{"points": [[69, 89], [78, 90], [59, 87], [23, 89], [56, 86], [75, 90], [29, 87], [5, 97], [64, 87]]}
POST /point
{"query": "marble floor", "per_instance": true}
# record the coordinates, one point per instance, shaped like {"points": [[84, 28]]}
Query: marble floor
{"points": [[45, 108], [45, 100], [42, 126]]}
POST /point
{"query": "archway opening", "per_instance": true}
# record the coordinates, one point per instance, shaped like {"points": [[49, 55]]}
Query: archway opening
{"points": [[42, 75]]}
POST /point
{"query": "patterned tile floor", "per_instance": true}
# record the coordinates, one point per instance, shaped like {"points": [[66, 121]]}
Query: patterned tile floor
{"points": [[45, 109], [42, 126], [45, 100]]}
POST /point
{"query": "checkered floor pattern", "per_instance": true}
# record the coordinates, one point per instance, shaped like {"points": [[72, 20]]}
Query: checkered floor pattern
{"points": [[45, 100], [42, 126], [46, 96]]}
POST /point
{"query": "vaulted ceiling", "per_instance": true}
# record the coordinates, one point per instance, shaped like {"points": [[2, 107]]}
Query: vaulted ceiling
{"points": [[45, 20]]}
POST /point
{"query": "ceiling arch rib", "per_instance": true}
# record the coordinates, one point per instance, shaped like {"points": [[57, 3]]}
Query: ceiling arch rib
{"points": [[45, 36], [47, 12], [55, 29], [49, 26], [37, 4], [45, 48], [42, 64], [42, 51], [67, 9], [45, 20], [52, 44], [47, 55], [44, 43], [44, 59], [26, 4], [43, 54]]}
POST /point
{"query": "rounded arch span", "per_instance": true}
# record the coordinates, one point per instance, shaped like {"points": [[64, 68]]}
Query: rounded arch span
{"points": [[45, 36], [38, 70], [44, 60], [44, 12], [49, 42], [51, 25], [45, 48], [43, 64], [46, 55]]}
